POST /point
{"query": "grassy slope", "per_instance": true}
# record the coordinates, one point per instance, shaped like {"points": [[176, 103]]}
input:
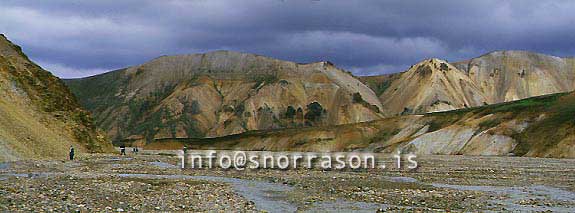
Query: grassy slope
{"points": [[379, 83], [101, 84], [553, 119], [99, 96]]}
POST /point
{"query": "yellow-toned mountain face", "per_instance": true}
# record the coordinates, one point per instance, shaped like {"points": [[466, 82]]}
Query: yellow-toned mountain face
{"points": [[39, 116], [222, 93]]}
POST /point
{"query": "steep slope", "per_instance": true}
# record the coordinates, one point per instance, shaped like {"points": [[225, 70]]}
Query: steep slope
{"points": [[512, 75], [39, 117], [430, 86], [434, 85], [379, 83], [537, 127], [222, 93]]}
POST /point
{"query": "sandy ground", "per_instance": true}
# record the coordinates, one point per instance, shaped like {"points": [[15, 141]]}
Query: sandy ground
{"points": [[153, 181]]}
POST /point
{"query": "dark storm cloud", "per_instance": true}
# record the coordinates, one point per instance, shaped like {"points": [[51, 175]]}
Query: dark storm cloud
{"points": [[79, 38]]}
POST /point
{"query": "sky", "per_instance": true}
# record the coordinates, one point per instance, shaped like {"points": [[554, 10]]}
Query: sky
{"points": [[367, 37]]}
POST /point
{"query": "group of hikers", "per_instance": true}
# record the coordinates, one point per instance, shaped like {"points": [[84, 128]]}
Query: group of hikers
{"points": [[135, 150]]}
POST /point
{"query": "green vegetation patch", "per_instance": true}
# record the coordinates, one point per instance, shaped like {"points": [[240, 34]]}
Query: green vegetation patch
{"points": [[380, 84], [548, 132], [315, 114], [384, 135], [356, 98], [264, 79]]}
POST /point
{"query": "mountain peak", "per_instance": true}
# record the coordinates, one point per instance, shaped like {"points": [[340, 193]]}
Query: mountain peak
{"points": [[429, 66], [225, 92], [430, 61], [9, 48]]}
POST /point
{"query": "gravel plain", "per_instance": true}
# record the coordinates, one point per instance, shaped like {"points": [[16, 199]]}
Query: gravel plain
{"points": [[153, 181]]}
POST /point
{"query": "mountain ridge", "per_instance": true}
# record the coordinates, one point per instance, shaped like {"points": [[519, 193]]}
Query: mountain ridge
{"points": [[540, 126], [40, 118], [499, 76], [216, 81], [225, 92]]}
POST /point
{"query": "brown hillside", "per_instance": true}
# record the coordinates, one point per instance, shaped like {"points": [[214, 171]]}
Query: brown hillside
{"points": [[39, 117], [537, 127], [222, 93], [497, 77]]}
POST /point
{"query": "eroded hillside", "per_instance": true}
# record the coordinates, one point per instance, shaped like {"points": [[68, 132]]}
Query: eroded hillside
{"points": [[222, 93], [512, 75], [39, 117], [431, 86], [434, 85], [225, 93], [540, 127]]}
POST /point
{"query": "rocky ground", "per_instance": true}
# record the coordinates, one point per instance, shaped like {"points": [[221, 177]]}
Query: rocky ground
{"points": [[152, 181]]}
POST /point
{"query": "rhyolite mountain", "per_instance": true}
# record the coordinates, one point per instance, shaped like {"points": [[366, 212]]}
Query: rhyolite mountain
{"points": [[434, 85], [430, 86], [512, 75], [542, 126], [226, 93], [39, 116], [222, 93]]}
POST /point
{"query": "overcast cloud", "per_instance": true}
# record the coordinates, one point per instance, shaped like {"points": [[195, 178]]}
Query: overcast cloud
{"points": [[82, 38]]}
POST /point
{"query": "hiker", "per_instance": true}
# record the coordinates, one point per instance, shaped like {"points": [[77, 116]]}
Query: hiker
{"points": [[71, 153], [184, 150], [122, 150]]}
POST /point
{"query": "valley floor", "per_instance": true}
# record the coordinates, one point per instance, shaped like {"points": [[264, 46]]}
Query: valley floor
{"points": [[152, 181]]}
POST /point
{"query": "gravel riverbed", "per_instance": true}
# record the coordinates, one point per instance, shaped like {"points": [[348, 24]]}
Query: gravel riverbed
{"points": [[152, 181]]}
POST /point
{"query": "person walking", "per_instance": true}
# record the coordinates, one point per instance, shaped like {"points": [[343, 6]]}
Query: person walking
{"points": [[184, 152], [71, 152], [122, 150]]}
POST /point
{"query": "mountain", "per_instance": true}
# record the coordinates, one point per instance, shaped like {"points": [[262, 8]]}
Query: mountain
{"points": [[222, 93], [431, 86], [434, 85], [541, 126], [512, 75], [39, 116], [226, 93]]}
